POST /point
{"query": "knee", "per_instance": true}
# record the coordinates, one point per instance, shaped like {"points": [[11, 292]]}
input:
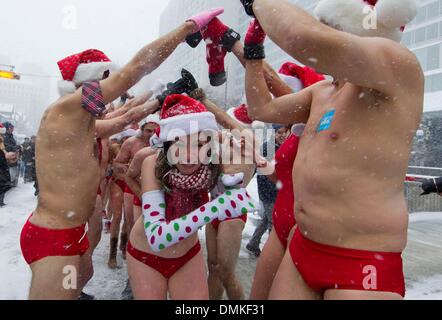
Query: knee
{"points": [[213, 267], [225, 272]]}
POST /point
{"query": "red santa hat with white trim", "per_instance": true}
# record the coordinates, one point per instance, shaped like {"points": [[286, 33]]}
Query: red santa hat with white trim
{"points": [[297, 77], [2, 129], [85, 66], [240, 114], [181, 116], [349, 16]]}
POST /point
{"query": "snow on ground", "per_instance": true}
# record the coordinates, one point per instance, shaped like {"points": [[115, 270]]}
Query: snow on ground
{"points": [[107, 284]]}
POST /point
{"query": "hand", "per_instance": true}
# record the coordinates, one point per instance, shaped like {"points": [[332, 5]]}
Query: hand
{"points": [[157, 87], [202, 19], [187, 84], [11, 157], [119, 170], [254, 42], [255, 34]]}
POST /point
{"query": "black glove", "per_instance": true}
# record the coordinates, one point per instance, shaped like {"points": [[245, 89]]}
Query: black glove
{"points": [[163, 96], [194, 39], [248, 6], [186, 84]]}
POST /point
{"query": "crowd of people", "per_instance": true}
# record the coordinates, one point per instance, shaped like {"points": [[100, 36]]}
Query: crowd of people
{"points": [[15, 161], [158, 167]]}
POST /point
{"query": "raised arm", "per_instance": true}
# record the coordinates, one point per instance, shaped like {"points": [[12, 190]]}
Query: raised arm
{"points": [[277, 87], [286, 110], [107, 128], [375, 63], [129, 104], [148, 58]]}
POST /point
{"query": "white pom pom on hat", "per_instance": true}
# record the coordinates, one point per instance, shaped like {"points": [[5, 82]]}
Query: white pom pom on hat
{"points": [[349, 15]]}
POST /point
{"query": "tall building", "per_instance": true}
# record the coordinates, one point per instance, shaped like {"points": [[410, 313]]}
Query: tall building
{"points": [[423, 36], [22, 101]]}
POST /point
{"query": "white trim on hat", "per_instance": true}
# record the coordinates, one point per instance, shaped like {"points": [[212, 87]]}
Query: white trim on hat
{"points": [[153, 118], [92, 71], [293, 82], [85, 72], [254, 125], [348, 15], [190, 123]]}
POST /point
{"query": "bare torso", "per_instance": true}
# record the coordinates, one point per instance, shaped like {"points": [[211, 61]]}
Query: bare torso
{"points": [[67, 167], [349, 179]]}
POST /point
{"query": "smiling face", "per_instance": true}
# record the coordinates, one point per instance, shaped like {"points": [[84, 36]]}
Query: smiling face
{"points": [[187, 153]]}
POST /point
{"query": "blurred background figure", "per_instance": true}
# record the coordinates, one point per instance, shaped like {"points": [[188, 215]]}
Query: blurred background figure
{"points": [[11, 146]]}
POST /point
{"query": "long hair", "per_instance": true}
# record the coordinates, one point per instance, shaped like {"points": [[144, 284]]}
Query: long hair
{"points": [[163, 167]]}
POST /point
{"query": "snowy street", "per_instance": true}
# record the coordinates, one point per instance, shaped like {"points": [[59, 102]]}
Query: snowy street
{"points": [[422, 257]]}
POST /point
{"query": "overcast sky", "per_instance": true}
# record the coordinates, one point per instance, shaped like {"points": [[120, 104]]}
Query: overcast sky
{"points": [[44, 31]]}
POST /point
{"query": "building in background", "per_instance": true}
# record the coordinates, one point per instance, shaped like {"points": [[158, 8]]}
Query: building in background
{"points": [[423, 36], [23, 99]]}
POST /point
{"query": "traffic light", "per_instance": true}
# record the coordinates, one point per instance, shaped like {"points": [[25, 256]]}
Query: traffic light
{"points": [[9, 74]]}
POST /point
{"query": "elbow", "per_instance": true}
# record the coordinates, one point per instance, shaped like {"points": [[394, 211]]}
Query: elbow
{"points": [[254, 113]]}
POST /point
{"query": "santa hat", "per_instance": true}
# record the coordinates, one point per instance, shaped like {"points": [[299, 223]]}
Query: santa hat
{"points": [[81, 67], [240, 114], [2, 129], [128, 133], [349, 15], [151, 119], [182, 115], [297, 77]]}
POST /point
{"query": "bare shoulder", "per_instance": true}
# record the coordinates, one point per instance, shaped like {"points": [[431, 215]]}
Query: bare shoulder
{"points": [[150, 161], [400, 61], [148, 167]]}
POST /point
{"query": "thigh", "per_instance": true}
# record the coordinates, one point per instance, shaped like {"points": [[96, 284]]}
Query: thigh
{"points": [[211, 245], [360, 295], [55, 278], [128, 200], [95, 225], [266, 267], [190, 283], [229, 243], [146, 283], [137, 213], [289, 284]]}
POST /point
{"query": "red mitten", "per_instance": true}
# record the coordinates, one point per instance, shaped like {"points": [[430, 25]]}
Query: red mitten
{"points": [[219, 39], [254, 41], [255, 34]]}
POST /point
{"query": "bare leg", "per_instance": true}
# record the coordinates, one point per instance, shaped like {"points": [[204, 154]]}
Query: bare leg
{"points": [[146, 283], [229, 245], [189, 283], [116, 198], [95, 227], [266, 268], [137, 213], [216, 288], [55, 278], [289, 284], [360, 295], [129, 211]]}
